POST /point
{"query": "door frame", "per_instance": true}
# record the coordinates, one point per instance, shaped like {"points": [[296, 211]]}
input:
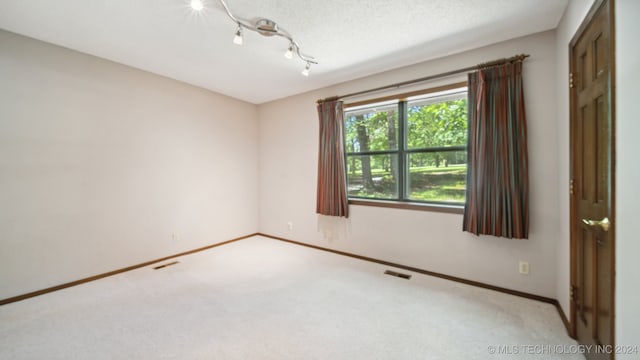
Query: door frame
{"points": [[573, 218]]}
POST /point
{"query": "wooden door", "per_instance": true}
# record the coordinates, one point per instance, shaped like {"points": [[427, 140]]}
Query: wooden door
{"points": [[592, 153]]}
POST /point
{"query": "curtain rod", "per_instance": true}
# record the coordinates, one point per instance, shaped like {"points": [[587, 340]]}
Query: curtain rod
{"points": [[430, 77]]}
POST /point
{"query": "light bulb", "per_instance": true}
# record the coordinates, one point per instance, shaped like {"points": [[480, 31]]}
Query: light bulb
{"points": [[238, 38], [305, 72], [197, 5], [289, 53]]}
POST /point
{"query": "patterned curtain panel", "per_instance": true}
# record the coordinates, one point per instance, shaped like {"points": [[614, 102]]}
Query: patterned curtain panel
{"points": [[332, 179], [497, 200]]}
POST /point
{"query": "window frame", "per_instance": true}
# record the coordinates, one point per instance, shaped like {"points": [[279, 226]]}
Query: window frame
{"points": [[402, 153]]}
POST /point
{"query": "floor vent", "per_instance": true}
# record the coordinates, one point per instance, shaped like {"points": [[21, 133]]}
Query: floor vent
{"points": [[164, 265], [397, 274]]}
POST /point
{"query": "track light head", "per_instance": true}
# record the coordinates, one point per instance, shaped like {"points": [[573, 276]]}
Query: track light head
{"points": [[289, 53], [238, 38], [306, 70]]}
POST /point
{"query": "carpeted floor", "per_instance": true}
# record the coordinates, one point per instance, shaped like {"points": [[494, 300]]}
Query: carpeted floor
{"points": [[264, 299]]}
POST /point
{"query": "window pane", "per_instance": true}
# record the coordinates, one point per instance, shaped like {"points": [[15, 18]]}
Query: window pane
{"points": [[437, 176], [373, 176], [374, 128], [437, 122]]}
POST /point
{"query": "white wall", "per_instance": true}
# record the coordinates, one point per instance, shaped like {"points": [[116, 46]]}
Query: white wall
{"points": [[100, 163], [427, 240], [572, 18], [627, 175]]}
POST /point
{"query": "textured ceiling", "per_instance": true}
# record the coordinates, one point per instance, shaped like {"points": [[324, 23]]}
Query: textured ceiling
{"points": [[349, 39]]}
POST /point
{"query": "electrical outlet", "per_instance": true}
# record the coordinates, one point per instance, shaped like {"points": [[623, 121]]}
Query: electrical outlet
{"points": [[290, 225], [524, 268], [175, 237]]}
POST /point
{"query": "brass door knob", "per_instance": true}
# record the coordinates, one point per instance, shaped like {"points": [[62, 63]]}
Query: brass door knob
{"points": [[604, 223]]}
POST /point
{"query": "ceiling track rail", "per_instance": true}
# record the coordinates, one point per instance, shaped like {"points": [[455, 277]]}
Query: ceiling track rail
{"points": [[266, 27]]}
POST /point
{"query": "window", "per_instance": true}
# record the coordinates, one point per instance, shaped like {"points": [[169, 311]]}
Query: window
{"points": [[409, 150]]}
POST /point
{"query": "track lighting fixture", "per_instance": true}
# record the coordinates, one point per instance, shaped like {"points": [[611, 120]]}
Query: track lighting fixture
{"points": [[264, 27], [238, 38]]}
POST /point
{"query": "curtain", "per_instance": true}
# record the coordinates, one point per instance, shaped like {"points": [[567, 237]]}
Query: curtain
{"points": [[497, 201], [332, 179]]}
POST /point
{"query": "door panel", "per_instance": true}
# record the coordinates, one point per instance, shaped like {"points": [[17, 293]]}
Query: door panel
{"points": [[591, 171]]}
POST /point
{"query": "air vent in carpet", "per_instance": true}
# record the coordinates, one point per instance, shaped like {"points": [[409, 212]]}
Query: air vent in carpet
{"points": [[397, 274], [164, 265]]}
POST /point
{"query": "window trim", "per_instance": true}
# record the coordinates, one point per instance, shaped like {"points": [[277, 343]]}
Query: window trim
{"points": [[452, 208], [405, 205], [405, 96]]}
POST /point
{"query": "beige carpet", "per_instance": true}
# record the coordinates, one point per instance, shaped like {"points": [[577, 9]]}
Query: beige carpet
{"points": [[264, 299]]}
